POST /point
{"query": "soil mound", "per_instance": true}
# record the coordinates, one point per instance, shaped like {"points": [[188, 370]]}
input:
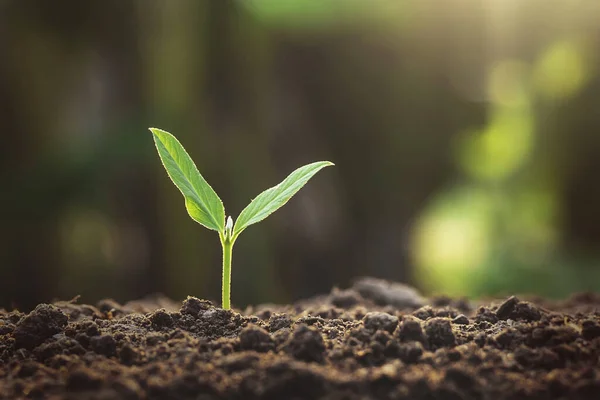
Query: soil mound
{"points": [[376, 340]]}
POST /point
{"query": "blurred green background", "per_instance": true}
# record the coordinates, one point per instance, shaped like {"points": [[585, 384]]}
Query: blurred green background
{"points": [[466, 137]]}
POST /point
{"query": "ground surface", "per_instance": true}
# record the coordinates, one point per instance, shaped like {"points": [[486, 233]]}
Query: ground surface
{"points": [[373, 341]]}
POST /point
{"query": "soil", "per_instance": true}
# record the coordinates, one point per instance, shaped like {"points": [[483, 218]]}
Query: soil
{"points": [[376, 340]]}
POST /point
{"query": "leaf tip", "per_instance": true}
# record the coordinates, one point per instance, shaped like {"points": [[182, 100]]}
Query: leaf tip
{"points": [[159, 132]]}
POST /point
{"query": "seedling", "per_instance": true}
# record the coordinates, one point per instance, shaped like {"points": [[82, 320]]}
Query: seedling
{"points": [[206, 208]]}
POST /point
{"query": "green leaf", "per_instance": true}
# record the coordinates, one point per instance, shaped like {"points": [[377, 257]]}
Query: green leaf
{"points": [[274, 198], [201, 201]]}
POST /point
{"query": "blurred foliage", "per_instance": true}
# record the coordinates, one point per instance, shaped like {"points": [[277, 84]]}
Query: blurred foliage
{"points": [[465, 136], [499, 230]]}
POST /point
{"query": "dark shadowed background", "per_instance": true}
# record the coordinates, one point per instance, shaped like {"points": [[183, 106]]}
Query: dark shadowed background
{"points": [[466, 137]]}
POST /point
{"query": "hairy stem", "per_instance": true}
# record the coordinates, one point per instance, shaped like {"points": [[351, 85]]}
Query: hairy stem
{"points": [[227, 244]]}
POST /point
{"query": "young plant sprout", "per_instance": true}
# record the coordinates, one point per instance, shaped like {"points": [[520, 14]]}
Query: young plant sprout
{"points": [[206, 208]]}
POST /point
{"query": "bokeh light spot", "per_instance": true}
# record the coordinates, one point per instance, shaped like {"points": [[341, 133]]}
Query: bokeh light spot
{"points": [[562, 70], [450, 240], [499, 149]]}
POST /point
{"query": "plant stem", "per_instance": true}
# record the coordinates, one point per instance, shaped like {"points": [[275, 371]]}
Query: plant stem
{"points": [[227, 245]]}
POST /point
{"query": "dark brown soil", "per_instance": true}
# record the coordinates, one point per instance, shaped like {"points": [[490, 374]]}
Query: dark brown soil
{"points": [[374, 341]]}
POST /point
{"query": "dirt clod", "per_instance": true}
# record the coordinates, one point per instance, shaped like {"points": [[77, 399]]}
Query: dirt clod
{"points": [[410, 352], [590, 329], [410, 330], [514, 309], [193, 306], [507, 308], [161, 319], [424, 313], [279, 321], [439, 333], [255, 338], [40, 324], [306, 344], [379, 320], [104, 344]]}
